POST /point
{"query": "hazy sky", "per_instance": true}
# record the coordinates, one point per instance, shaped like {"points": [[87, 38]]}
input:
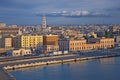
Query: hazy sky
{"points": [[24, 11]]}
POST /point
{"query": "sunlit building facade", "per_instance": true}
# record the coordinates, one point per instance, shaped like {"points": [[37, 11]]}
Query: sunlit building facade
{"points": [[28, 41], [81, 44]]}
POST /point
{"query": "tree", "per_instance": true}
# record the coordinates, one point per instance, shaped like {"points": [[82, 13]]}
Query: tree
{"points": [[108, 34]]}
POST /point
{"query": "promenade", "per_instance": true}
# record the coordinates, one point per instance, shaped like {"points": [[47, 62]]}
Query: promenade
{"points": [[5, 75]]}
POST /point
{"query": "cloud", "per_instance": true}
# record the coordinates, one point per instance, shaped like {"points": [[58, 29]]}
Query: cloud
{"points": [[20, 9], [75, 13], [47, 5]]}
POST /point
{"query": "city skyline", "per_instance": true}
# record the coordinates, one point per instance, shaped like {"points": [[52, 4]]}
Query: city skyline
{"points": [[60, 12]]}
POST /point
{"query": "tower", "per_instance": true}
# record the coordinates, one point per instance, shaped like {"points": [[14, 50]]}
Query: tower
{"points": [[44, 22]]}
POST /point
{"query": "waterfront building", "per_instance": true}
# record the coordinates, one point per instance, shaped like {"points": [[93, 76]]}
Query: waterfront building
{"points": [[50, 39], [63, 44], [72, 44], [19, 52], [50, 43], [51, 48], [106, 43], [28, 41], [81, 44]]}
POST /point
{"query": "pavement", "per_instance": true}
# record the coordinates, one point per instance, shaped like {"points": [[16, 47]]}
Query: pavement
{"points": [[5, 76]]}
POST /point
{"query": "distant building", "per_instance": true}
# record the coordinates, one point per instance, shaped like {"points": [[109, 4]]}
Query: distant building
{"points": [[117, 41], [9, 30], [44, 22], [93, 34], [114, 29], [2, 25], [93, 40]]}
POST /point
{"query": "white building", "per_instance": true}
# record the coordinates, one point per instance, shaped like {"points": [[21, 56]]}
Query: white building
{"points": [[19, 52]]}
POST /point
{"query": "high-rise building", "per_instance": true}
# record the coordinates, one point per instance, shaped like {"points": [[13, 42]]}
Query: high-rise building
{"points": [[44, 22]]}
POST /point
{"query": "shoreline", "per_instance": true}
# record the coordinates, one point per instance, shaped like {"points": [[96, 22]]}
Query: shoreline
{"points": [[8, 76], [18, 66]]}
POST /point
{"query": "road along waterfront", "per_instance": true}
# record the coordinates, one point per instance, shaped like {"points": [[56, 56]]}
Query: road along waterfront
{"points": [[57, 59]]}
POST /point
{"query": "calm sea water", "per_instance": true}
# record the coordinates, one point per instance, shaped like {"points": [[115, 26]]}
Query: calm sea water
{"points": [[99, 69]]}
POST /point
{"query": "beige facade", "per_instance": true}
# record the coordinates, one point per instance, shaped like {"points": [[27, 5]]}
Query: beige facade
{"points": [[77, 45], [106, 43], [80, 45], [9, 30], [20, 52], [93, 34], [6, 42], [51, 48]]}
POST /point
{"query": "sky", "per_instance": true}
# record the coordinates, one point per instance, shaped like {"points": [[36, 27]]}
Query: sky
{"points": [[29, 12]]}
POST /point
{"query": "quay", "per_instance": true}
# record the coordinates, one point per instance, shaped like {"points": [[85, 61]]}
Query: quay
{"points": [[33, 64], [13, 63], [4, 75]]}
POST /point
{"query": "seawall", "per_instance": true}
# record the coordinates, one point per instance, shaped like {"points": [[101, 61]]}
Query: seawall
{"points": [[33, 64]]}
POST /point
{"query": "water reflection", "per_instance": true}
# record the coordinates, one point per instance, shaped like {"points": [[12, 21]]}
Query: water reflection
{"points": [[107, 60]]}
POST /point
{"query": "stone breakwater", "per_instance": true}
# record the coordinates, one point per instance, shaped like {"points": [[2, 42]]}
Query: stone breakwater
{"points": [[33, 64]]}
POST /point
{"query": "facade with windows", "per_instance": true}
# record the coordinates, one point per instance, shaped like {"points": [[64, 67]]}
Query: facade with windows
{"points": [[81, 44], [27, 41]]}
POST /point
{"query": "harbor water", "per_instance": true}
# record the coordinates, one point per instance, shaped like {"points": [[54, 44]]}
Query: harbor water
{"points": [[98, 69]]}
